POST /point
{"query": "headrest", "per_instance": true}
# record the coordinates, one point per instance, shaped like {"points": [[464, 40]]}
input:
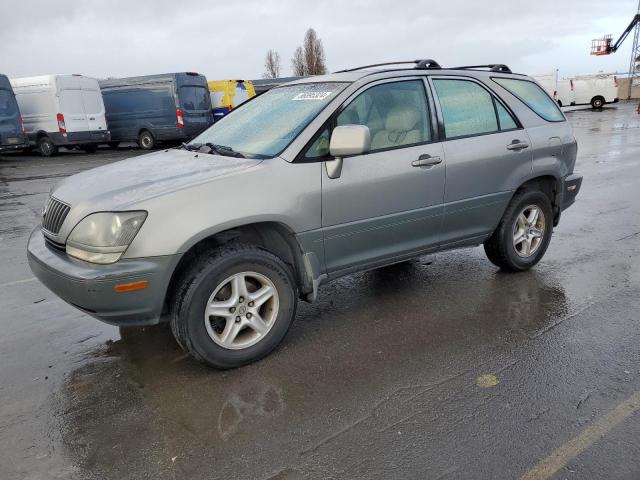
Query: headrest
{"points": [[402, 119]]}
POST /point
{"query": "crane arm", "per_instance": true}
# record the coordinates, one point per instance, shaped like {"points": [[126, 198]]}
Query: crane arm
{"points": [[613, 48]]}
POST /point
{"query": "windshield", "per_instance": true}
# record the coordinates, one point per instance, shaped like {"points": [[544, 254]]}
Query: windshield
{"points": [[266, 125]]}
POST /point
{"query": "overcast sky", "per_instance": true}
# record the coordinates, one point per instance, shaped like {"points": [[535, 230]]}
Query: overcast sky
{"points": [[229, 39]]}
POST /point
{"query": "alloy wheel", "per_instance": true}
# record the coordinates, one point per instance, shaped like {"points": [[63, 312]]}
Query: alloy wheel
{"points": [[241, 310]]}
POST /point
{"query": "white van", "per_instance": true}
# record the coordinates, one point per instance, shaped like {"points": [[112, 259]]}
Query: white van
{"points": [[594, 89], [62, 111]]}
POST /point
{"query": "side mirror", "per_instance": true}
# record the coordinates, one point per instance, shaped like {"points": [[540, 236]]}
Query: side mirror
{"points": [[350, 140], [346, 140]]}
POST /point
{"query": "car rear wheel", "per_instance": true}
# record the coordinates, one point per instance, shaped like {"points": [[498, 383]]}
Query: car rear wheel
{"points": [[46, 147], [524, 233], [233, 306], [146, 140], [597, 102]]}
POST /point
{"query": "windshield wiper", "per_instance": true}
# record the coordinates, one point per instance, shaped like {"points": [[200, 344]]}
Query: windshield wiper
{"points": [[191, 146], [224, 150]]}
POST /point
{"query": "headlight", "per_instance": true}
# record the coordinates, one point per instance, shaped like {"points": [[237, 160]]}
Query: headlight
{"points": [[103, 237]]}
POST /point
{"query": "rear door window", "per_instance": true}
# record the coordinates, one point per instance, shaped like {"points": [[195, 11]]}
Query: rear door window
{"points": [[7, 104], [195, 98], [467, 108], [533, 97], [71, 102], [92, 102]]}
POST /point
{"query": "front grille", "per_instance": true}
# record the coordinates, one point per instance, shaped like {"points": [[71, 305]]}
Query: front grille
{"points": [[54, 215]]}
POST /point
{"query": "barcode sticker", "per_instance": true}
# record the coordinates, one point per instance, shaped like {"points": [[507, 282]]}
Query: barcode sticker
{"points": [[312, 96]]}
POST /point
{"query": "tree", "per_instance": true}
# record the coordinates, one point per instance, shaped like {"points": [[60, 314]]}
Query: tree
{"points": [[309, 59], [272, 66], [298, 64]]}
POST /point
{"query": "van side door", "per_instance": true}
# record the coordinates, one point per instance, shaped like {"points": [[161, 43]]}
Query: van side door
{"points": [[488, 153], [387, 203]]}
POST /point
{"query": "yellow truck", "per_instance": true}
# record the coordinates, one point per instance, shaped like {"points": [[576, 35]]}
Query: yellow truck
{"points": [[228, 94]]}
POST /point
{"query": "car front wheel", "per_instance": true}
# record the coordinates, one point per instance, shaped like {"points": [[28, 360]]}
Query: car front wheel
{"points": [[234, 305], [524, 233]]}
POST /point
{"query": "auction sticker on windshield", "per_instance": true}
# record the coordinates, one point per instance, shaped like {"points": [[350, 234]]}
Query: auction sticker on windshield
{"points": [[312, 95]]}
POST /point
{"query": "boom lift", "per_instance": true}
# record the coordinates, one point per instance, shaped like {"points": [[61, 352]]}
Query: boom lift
{"points": [[605, 46]]}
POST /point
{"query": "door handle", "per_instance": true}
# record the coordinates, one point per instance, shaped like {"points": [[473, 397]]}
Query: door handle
{"points": [[426, 160], [517, 145]]}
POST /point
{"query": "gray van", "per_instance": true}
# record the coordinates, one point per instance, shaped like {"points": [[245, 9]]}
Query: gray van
{"points": [[12, 136], [157, 108]]}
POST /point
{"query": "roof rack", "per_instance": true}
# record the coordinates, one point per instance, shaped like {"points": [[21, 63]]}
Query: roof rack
{"points": [[419, 64], [493, 67]]}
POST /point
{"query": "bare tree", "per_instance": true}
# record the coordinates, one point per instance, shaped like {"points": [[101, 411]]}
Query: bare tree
{"points": [[314, 54], [298, 64], [272, 66], [309, 59]]}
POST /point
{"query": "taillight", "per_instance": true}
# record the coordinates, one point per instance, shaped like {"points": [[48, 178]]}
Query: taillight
{"points": [[61, 126], [180, 118], [22, 124], [229, 108], [555, 94], [615, 81], [571, 83]]}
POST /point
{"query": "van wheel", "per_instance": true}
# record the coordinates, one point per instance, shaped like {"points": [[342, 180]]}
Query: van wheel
{"points": [[92, 148], [524, 233], [146, 140], [597, 102], [233, 306], [46, 147], [114, 145]]}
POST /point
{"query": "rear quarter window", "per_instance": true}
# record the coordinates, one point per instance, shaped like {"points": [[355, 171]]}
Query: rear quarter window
{"points": [[533, 97]]}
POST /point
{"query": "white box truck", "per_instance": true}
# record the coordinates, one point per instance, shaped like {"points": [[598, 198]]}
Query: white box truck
{"points": [[62, 111]]}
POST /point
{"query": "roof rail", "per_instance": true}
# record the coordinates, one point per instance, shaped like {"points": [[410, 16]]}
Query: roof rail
{"points": [[493, 67], [428, 63]]}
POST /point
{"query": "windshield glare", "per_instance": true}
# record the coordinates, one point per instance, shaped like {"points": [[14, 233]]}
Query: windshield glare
{"points": [[266, 125]]}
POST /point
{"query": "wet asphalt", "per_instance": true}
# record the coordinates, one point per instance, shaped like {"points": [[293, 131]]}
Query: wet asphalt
{"points": [[440, 368]]}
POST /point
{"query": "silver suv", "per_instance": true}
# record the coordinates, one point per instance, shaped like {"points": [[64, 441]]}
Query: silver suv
{"points": [[313, 180]]}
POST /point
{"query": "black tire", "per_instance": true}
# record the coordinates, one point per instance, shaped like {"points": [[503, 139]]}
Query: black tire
{"points": [[500, 248], [46, 147], [146, 141], [114, 145], [198, 282], [91, 148], [597, 102]]}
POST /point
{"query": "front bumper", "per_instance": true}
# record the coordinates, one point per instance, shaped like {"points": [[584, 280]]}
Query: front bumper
{"points": [[570, 187], [90, 287]]}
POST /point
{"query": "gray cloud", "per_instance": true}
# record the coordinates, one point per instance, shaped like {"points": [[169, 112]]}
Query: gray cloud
{"points": [[230, 39]]}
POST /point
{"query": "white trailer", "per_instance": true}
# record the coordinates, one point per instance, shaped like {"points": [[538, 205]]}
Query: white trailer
{"points": [[62, 111]]}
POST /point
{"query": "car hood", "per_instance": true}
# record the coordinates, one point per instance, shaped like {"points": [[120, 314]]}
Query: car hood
{"points": [[122, 184]]}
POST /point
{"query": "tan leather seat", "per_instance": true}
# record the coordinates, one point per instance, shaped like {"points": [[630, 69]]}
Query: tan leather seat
{"points": [[401, 128]]}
